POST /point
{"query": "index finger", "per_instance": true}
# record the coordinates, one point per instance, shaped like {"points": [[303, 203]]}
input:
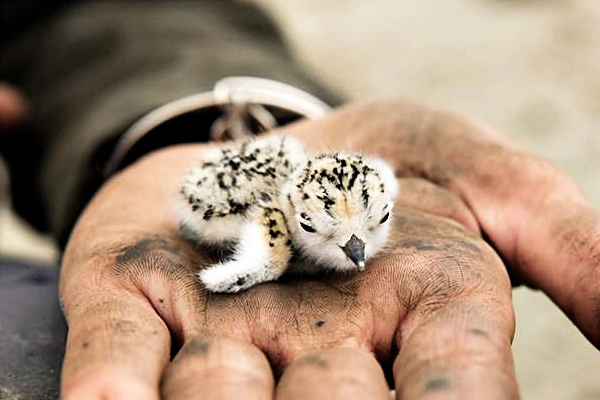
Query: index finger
{"points": [[117, 346]]}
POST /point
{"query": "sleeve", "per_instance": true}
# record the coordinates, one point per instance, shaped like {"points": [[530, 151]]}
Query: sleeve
{"points": [[94, 68]]}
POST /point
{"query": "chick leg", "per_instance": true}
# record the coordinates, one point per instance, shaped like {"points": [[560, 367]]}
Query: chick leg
{"points": [[261, 255]]}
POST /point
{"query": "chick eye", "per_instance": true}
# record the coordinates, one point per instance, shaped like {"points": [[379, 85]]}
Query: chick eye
{"points": [[307, 228], [385, 218]]}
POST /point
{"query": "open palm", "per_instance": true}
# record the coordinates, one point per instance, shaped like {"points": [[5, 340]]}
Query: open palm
{"points": [[432, 312]]}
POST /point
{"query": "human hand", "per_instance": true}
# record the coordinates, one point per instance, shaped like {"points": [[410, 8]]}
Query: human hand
{"points": [[433, 311], [532, 213]]}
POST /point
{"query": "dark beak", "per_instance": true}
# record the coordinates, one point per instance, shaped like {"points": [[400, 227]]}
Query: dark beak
{"points": [[355, 250]]}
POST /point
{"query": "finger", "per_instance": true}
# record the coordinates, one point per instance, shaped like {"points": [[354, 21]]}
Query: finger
{"points": [[116, 349], [568, 239], [423, 195], [547, 233], [460, 351], [336, 373], [218, 368]]}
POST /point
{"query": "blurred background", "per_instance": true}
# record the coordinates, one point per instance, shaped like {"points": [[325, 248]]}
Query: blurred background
{"points": [[530, 68]]}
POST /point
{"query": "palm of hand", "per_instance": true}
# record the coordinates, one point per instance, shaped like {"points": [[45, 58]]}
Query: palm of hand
{"points": [[433, 310], [132, 300]]}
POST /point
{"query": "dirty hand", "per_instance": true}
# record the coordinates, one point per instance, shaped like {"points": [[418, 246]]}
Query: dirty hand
{"points": [[433, 311], [533, 214]]}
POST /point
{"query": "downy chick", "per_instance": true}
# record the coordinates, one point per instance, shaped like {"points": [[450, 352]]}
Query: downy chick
{"points": [[269, 201]]}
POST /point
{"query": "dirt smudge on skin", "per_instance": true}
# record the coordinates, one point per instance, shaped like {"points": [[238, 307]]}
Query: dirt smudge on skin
{"points": [[420, 245], [479, 332], [315, 361], [437, 384], [176, 261], [196, 347]]}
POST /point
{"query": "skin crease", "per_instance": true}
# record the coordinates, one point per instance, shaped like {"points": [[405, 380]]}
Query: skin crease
{"points": [[432, 313]]}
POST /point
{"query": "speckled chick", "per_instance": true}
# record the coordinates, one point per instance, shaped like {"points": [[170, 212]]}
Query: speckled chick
{"points": [[269, 201], [338, 207]]}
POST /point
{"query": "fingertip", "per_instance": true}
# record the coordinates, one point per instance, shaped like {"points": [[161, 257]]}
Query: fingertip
{"points": [[218, 367], [338, 372], [110, 385]]}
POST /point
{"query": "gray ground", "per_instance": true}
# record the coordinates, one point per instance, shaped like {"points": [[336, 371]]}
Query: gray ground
{"points": [[527, 67]]}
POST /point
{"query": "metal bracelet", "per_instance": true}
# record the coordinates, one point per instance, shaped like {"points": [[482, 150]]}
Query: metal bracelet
{"points": [[237, 92]]}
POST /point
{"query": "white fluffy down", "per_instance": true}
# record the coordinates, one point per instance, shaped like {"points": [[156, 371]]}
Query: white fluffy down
{"points": [[248, 266]]}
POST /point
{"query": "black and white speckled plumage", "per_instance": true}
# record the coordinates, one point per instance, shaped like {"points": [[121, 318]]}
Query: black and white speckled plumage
{"points": [[269, 199]]}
